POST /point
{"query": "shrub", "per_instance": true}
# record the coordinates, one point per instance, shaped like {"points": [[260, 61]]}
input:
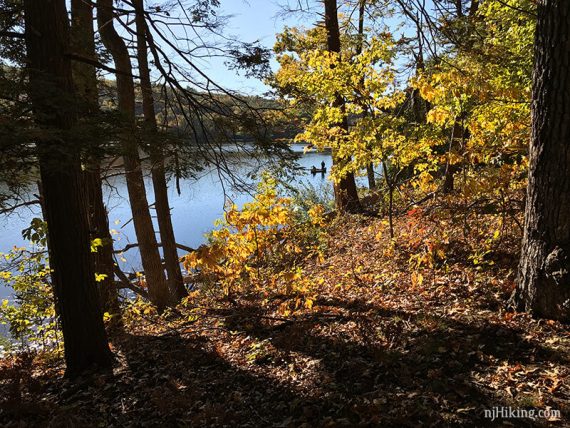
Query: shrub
{"points": [[30, 314], [257, 248]]}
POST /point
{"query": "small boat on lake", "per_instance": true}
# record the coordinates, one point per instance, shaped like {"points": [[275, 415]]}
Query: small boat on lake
{"points": [[322, 169]]}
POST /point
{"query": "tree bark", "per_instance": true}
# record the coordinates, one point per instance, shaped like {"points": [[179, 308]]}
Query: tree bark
{"points": [[171, 259], [359, 47], [345, 192], [543, 286], [448, 180], [459, 8], [52, 95], [83, 43], [104, 262], [85, 81], [144, 229], [474, 7], [390, 185], [370, 175]]}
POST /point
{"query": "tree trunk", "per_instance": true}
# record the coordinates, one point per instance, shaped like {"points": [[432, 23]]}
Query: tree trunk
{"points": [[85, 81], [459, 134], [171, 259], [390, 185], [104, 262], [474, 7], [370, 174], [359, 46], [144, 229], [459, 8], [449, 179], [420, 106], [544, 272], [345, 192], [52, 95]]}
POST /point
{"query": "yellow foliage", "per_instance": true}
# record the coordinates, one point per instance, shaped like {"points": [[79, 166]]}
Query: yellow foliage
{"points": [[244, 251]]}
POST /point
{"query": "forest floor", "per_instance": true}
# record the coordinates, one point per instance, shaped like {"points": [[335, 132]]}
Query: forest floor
{"points": [[382, 346]]}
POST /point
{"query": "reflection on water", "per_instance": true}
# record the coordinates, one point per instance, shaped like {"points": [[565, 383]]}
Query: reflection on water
{"points": [[194, 211]]}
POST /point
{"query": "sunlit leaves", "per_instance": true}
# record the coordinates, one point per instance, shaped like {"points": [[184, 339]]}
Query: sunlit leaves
{"points": [[99, 277], [484, 88], [246, 251], [31, 312], [363, 127]]}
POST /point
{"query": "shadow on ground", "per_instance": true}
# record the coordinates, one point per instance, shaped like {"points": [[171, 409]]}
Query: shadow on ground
{"points": [[372, 367]]}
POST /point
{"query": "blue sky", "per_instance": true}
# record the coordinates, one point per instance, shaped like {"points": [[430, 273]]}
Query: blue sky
{"points": [[250, 20]]}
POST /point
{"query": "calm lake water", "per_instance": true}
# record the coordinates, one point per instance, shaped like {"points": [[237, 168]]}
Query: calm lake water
{"points": [[194, 211]]}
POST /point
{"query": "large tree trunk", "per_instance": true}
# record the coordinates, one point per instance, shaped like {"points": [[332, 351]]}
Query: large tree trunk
{"points": [[85, 81], [345, 192], [52, 94], [104, 262], [171, 259], [144, 229], [544, 273]]}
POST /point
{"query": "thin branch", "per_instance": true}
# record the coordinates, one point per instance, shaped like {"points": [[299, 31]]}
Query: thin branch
{"points": [[135, 245]]}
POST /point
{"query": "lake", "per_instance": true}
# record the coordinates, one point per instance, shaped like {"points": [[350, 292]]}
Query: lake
{"points": [[194, 211]]}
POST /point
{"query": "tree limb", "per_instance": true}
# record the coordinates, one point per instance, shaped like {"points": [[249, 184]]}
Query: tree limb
{"points": [[135, 245], [125, 283], [12, 34], [95, 63]]}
